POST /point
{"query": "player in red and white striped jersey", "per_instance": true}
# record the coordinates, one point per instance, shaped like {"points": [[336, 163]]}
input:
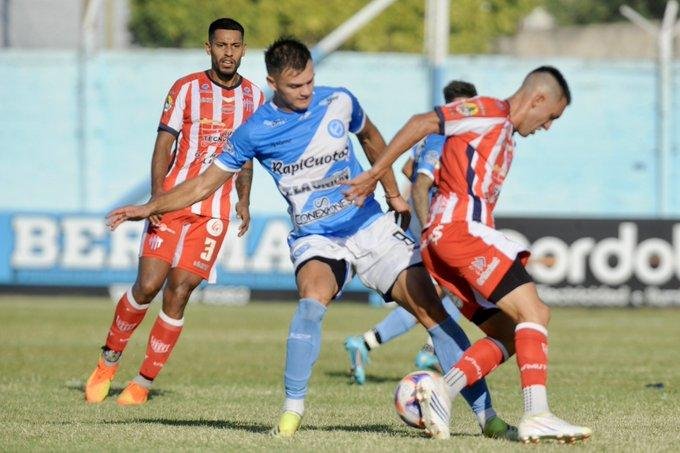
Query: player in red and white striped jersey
{"points": [[466, 255], [179, 249]]}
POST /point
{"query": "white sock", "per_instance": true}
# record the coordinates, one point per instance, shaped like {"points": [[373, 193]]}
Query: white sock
{"points": [[456, 381], [144, 382], [484, 416], [371, 340], [535, 399], [297, 406]]}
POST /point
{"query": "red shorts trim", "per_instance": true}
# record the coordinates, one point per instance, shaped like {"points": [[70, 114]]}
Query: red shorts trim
{"points": [[186, 241]]}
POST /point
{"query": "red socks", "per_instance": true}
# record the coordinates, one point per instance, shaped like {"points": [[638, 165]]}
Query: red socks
{"points": [[164, 334], [129, 314], [531, 344], [481, 359]]}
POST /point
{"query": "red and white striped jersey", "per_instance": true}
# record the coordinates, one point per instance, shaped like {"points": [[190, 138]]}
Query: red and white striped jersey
{"points": [[475, 161], [202, 115]]}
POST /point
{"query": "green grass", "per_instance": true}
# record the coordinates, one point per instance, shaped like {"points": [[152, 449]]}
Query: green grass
{"points": [[222, 389]]}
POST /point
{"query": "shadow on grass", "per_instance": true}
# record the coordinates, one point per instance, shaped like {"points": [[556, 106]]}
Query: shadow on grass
{"points": [[115, 390], [369, 377]]}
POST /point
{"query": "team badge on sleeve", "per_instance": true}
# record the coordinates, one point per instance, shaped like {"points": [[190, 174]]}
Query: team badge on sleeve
{"points": [[168, 103], [467, 109]]}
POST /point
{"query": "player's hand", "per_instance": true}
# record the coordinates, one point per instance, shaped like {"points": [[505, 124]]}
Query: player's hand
{"points": [[133, 212], [401, 210], [243, 213], [155, 219], [361, 187]]}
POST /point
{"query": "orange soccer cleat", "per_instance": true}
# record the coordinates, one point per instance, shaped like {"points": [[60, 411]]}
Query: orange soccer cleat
{"points": [[133, 395], [98, 384]]}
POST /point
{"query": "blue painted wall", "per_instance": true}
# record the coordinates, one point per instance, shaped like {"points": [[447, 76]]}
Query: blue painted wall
{"points": [[599, 159]]}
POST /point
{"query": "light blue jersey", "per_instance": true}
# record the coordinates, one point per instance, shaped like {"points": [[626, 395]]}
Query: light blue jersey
{"points": [[426, 155], [309, 155]]}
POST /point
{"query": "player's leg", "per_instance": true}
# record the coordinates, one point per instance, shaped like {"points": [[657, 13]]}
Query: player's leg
{"points": [[319, 280], [197, 250], [449, 342], [426, 359], [396, 323], [163, 336], [129, 313]]}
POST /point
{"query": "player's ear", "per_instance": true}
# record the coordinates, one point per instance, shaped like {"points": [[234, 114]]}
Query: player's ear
{"points": [[207, 47], [538, 98], [271, 82]]}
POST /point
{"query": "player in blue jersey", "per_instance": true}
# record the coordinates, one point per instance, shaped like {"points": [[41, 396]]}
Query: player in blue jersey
{"points": [[301, 138], [421, 169]]}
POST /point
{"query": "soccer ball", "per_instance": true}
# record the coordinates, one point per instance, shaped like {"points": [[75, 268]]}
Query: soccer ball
{"points": [[405, 399]]}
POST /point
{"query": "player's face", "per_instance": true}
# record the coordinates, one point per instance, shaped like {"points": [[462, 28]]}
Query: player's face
{"points": [[541, 113], [293, 89], [226, 48]]}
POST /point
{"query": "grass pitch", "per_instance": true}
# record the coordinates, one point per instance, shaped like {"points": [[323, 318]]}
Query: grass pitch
{"points": [[617, 371]]}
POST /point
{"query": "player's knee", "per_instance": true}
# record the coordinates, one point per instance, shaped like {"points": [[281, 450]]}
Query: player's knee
{"points": [[145, 290]]}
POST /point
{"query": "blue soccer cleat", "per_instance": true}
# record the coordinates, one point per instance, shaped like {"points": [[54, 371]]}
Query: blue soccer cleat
{"points": [[426, 360], [358, 358]]}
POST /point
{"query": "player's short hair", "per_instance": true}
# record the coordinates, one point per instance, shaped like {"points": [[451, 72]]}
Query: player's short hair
{"points": [[225, 23], [286, 53], [459, 89], [559, 78]]}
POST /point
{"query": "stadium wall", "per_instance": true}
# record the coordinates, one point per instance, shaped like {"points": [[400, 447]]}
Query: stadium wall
{"points": [[599, 160]]}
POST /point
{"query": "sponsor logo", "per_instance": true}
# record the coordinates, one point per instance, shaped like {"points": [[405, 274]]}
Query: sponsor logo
{"points": [[432, 158], [324, 208], [534, 366], [206, 100], [274, 123], [214, 227], [300, 250], [300, 336], [124, 326], [333, 180], [476, 366], [329, 99], [228, 99], [155, 241], [336, 128], [168, 103], [158, 346], [479, 267], [202, 266], [214, 139], [467, 109], [281, 168]]}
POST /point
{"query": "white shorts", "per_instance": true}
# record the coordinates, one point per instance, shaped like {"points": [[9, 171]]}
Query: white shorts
{"points": [[377, 253]]}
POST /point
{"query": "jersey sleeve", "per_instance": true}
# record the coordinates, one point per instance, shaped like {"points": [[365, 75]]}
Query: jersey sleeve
{"points": [[358, 117], [238, 149], [428, 161], [470, 114], [173, 110]]}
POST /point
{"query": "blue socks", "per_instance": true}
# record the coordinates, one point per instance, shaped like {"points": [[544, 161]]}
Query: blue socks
{"points": [[302, 347], [450, 341], [397, 322]]}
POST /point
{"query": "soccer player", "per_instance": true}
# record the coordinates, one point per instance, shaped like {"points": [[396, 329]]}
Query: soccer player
{"points": [[179, 249], [301, 138], [468, 256], [421, 168]]}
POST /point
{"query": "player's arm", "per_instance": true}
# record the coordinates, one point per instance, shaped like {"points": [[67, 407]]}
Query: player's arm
{"points": [[160, 161], [413, 131], [244, 182], [373, 144], [181, 196], [420, 192]]}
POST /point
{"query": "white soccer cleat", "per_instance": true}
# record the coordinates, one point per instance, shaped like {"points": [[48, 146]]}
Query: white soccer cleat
{"points": [[435, 406], [546, 426]]}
